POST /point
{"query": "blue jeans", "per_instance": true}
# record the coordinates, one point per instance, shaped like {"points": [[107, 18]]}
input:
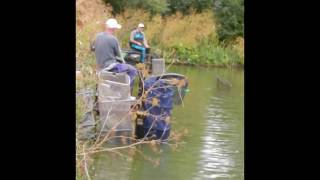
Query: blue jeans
{"points": [[141, 49]]}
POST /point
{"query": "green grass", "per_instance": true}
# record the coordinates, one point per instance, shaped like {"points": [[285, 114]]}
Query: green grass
{"points": [[205, 54]]}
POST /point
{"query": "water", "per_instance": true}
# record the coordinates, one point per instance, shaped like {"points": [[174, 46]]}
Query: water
{"points": [[214, 145]]}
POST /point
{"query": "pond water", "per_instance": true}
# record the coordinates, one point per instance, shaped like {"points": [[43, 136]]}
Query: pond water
{"points": [[213, 114]]}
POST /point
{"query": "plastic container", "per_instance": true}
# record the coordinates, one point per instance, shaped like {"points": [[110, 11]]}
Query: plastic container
{"points": [[158, 67], [115, 114], [112, 76], [120, 137], [113, 86]]}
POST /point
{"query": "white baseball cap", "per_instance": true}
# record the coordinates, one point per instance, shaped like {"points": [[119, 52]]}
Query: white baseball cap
{"points": [[112, 23], [141, 25]]}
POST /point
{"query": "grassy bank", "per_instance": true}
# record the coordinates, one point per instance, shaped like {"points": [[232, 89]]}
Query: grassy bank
{"points": [[189, 39]]}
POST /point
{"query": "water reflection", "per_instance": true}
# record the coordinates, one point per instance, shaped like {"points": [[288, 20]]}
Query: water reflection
{"points": [[143, 163], [108, 166], [220, 142]]}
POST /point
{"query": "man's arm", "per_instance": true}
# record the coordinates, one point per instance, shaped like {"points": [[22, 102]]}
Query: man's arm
{"points": [[93, 43], [118, 52], [132, 39], [145, 41]]}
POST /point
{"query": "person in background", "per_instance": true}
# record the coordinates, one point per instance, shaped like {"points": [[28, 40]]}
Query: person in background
{"points": [[138, 41]]}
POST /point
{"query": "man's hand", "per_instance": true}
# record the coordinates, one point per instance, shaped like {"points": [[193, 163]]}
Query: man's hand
{"points": [[120, 59]]}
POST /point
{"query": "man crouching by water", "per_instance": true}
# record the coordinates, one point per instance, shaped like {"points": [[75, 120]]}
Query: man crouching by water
{"points": [[108, 53]]}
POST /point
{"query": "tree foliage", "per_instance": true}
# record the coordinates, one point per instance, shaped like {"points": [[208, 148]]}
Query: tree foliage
{"points": [[164, 7], [230, 16], [229, 13], [153, 6]]}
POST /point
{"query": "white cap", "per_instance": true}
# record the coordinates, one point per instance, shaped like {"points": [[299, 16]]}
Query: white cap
{"points": [[141, 25], [112, 23]]}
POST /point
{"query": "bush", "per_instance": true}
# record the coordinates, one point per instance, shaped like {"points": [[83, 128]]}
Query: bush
{"points": [[230, 16], [153, 6], [180, 37], [208, 52], [164, 7]]}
